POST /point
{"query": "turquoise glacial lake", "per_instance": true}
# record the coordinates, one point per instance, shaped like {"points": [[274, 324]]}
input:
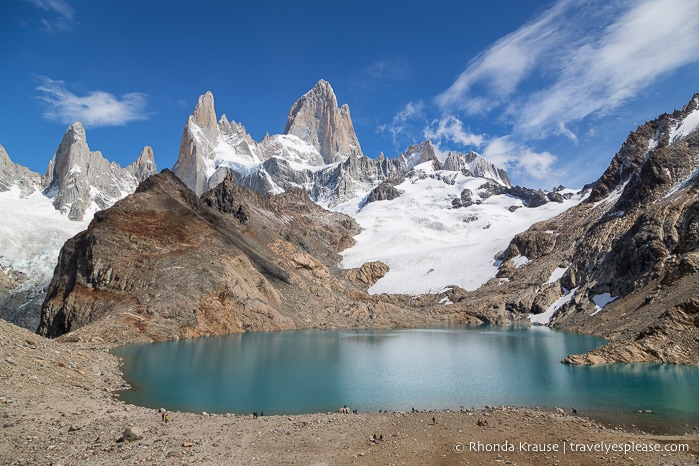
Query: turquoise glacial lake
{"points": [[369, 370]]}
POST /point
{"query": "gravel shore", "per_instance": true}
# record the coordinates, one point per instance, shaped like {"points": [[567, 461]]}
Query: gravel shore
{"points": [[59, 404]]}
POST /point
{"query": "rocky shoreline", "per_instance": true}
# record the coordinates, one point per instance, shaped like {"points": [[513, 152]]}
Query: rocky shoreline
{"points": [[59, 404]]}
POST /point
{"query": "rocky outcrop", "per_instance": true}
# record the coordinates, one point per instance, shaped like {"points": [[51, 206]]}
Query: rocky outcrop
{"points": [[163, 263], [79, 179], [531, 198], [472, 164], [12, 174], [368, 274], [316, 119], [386, 191], [144, 166]]}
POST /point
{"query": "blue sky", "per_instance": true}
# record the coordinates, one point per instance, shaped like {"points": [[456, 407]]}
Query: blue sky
{"points": [[546, 89]]}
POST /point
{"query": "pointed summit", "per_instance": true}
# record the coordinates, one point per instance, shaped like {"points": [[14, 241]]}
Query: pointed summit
{"points": [[144, 166], [209, 149], [80, 180], [14, 174], [204, 115], [316, 119], [197, 145]]}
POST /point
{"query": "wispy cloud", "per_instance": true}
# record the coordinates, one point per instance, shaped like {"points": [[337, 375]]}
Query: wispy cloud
{"points": [[97, 108], [451, 129], [519, 159], [64, 10], [578, 59], [408, 123]]}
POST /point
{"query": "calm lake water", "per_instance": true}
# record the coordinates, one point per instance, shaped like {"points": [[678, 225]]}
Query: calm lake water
{"points": [[319, 371]]}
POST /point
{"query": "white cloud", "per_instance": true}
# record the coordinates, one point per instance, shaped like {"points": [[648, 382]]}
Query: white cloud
{"points": [[63, 9], [450, 128], [407, 124], [517, 158], [577, 59], [97, 108]]}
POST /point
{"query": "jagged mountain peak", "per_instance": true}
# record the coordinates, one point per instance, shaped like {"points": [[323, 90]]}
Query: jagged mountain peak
{"points": [[12, 174], [647, 146], [80, 180], [476, 165], [144, 166], [317, 120]]}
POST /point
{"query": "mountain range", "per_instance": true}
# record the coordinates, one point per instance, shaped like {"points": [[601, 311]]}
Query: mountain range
{"points": [[237, 237]]}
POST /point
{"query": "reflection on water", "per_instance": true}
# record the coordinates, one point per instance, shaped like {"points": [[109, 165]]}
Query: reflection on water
{"points": [[319, 371]]}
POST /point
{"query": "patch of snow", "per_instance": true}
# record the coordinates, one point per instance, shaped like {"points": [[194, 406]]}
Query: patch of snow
{"points": [[545, 317], [75, 169], [520, 261], [556, 275], [33, 233], [446, 301], [689, 124], [602, 300]]}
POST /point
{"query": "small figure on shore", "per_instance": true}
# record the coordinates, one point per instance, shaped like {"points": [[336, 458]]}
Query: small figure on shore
{"points": [[167, 418], [254, 414], [575, 412], [162, 415], [482, 423], [434, 421]]}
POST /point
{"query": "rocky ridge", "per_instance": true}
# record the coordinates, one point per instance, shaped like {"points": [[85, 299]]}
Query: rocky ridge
{"points": [[624, 264], [319, 152], [12, 174]]}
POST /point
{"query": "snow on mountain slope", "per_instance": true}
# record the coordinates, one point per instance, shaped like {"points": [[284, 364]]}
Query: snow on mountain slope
{"points": [[429, 245], [32, 233]]}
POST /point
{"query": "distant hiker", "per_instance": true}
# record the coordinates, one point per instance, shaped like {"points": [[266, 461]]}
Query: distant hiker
{"points": [[162, 415], [167, 418], [254, 414], [434, 421], [261, 414], [575, 412]]}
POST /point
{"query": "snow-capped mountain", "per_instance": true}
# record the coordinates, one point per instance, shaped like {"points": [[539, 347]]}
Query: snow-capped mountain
{"points": [[320, 153], [41, 212]]}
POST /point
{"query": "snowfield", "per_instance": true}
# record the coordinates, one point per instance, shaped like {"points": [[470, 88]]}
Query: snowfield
{"points": [[427, 244], [32, 233]]}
